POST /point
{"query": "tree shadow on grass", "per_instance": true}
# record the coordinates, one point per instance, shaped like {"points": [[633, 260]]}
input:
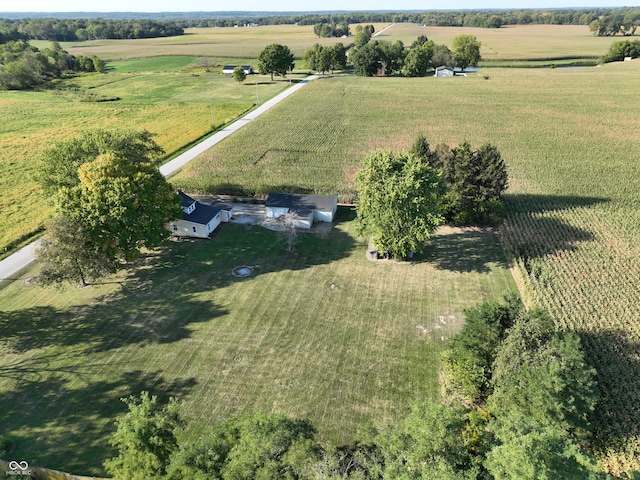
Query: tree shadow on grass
{"points": [[464, 250], [125, 318], [68, 428], [616, 358]]}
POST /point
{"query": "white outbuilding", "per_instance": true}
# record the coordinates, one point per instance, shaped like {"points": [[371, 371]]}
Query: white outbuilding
{"points": [[306, 208]]}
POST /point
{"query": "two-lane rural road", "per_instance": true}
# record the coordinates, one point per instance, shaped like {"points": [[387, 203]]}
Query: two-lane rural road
{"points": [[23, 257]]}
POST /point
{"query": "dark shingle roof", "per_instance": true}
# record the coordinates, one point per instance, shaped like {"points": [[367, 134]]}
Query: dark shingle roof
{"points": [[301, 203], [202, 213], [185, 200]]}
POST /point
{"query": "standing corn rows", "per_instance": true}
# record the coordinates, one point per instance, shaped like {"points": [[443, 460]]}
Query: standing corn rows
{"points": [[572, 265]]}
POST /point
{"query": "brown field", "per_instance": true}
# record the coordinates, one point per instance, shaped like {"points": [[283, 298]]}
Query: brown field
{"points": [[512, 42], [244, 42]]}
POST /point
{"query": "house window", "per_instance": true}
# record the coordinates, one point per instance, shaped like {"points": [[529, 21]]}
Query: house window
{"points": [[175, 228], [194, 229]]}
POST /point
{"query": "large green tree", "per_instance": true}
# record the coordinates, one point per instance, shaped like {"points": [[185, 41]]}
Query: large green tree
{"points": [[124, 206], [67, 253], [542, 375], [363, 35], [475, 182], [418, 60], [468, 361], [398, 202], [527, 450], [275, 59], [145, 439], [59, 166], [466, 51], [428, 444], [474, 179], [366, 59], [256, 446], [442, 56], [392, 56], [107, 184], [338, 55]]}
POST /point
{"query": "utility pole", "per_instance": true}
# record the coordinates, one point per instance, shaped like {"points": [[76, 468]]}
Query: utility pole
{"points": [[211, 106]]}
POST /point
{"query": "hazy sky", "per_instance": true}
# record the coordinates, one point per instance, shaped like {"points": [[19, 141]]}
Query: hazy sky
{"points": [[286, 5]]}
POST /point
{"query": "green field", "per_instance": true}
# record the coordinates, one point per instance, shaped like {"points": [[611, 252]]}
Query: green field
{"points": [[163, 87], [322, 333], [175, 104], [569, 138], [218, 44]]}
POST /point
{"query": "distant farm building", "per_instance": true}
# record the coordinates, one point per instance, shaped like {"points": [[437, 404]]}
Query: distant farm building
{"points": [[448, 72], [305, 208], [228, 69], [199, 220]]}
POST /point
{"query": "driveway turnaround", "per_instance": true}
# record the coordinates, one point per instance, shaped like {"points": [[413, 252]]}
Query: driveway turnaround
{"points": [[23, 257]]}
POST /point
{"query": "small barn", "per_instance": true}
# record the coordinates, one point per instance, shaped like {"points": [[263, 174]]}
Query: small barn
{"points": [[199, 220], [306, 208]]}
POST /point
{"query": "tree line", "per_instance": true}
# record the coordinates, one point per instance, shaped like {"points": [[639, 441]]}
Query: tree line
{"points": [[23, 66], [150, 24], [381, 57], [79, 29], [466, 18], [517, 395], [609, 25]]}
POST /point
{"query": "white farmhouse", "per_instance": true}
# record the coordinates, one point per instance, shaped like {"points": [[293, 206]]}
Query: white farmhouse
{"points": [[199, 220]]}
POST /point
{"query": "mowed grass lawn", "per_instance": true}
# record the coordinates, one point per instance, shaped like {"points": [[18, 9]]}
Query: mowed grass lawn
{"points": [[321, 333], [570, 140]]}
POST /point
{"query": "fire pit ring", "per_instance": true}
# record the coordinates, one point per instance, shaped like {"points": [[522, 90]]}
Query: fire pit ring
{"points": [[242, 271]]}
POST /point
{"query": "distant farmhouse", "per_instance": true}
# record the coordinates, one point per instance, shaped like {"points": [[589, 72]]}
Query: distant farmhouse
{"points": [[228, 69], [305, 208], [199, 220]]}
